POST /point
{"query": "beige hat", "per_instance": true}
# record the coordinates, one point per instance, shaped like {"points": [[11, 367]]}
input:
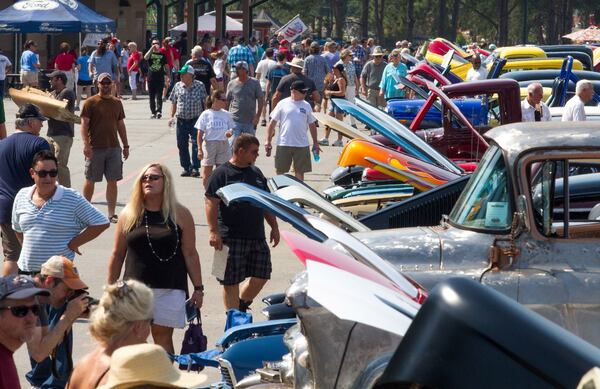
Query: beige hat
{"points": [[377, 51], [64, 269], [147, 364], [297, 63]]}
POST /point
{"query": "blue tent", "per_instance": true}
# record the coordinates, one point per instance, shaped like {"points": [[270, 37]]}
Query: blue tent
{"points": [[48, 16]]}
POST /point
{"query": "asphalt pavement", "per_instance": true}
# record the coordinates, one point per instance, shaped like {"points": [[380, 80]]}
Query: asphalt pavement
{"points": [[152, 140]]}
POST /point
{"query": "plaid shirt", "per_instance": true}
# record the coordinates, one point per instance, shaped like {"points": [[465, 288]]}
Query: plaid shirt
{"points": [[360, 54], [189, 101], [240, 53], [316, 68]]}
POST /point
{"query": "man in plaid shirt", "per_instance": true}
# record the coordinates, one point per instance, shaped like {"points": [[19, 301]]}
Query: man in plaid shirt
{"points": [[359, 55], [240, 53], [187, 103]]}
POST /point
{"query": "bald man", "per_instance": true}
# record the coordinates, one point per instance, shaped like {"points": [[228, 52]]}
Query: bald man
{"points": [[533, 109]]}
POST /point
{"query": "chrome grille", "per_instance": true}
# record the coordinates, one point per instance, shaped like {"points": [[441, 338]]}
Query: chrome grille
{"points": [[227, 372]]}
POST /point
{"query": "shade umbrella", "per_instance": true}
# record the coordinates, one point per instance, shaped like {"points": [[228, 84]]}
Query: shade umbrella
{"points": [[590, 34], [208, 22]]}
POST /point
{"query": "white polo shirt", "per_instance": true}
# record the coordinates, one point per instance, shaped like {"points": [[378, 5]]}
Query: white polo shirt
{"points": [[293, 118], [48, 230], [574, 110]]}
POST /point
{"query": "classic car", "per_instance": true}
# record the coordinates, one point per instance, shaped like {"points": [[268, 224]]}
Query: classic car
{"points": [[540, 250]]}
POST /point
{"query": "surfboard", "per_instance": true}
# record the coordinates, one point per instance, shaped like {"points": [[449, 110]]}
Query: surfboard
{"points": [[50, 107]]}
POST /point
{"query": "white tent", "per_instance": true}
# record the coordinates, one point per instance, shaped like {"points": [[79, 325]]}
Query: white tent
{"points": [[207, 23]]}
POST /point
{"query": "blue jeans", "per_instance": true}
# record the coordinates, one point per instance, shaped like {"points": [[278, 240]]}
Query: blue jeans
{"points": [[185, 133], [240, 128]]}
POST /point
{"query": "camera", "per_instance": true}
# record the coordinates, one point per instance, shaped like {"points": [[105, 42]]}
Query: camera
{"points": [[90, 300]]}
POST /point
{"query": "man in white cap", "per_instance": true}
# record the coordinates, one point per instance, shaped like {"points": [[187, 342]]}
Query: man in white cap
{"points": [[67, 302], [284, 88], [19, 310], [102, 123], [575, 107]]}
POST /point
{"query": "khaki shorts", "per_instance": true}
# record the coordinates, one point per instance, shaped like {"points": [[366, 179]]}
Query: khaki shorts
{"points": [[374, 99], [105, 162], [284, 155], [216, 152], [10, 244], [29, 78]]}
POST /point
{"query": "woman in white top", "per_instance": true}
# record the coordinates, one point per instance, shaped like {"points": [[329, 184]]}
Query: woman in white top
{"points": [[220, 69], [214, 126]]}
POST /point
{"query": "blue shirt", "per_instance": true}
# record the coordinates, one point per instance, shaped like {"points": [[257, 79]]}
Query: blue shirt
{"points": [[316, 68], [16, 154], [48, 230], [40, 375], [239, 53], [104, 64], [84, 74], [390, 79], [28, 61]]}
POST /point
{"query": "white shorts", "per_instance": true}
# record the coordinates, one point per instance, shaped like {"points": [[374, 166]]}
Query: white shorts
{"points": [[133, 80], [169, 307], [216, 152]]}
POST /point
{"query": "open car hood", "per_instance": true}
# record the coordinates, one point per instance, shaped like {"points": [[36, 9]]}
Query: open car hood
{"points": [[316, 229], [384, 124]]}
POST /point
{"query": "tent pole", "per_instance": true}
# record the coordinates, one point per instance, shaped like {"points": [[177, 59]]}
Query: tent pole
{"points": [[16, 63], [79, 42]]}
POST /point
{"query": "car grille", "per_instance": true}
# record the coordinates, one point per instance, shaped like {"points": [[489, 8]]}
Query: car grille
{"points": [[226, 372]]}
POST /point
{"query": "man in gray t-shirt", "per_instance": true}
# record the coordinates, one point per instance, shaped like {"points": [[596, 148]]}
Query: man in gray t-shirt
{"points": [[371, 77], [245, 99], [61, 133]]}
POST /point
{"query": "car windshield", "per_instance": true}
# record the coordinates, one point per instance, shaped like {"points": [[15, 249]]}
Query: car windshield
{"points": [[485, 202]]}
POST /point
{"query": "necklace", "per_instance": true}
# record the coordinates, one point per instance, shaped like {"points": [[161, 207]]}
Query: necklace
{"points": [[150, 241]]}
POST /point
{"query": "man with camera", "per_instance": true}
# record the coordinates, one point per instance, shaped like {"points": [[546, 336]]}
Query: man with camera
{"points": [[51, 346]]}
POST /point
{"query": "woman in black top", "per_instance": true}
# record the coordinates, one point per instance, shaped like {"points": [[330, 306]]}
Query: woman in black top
{"points": [[156, 240], [335, 88]]}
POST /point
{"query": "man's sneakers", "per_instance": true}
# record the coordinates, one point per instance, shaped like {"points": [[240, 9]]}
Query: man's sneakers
{"points": [[153, 116], [195, 173], [190, 173], [324, 142], [337, 143], [159, 115]]}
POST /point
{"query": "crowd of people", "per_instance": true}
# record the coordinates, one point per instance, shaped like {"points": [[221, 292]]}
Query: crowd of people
{"points": [[220, 92]]}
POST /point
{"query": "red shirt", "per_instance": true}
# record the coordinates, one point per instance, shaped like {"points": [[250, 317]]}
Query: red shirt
{"points": [[64, 62], [171, 53], [132, 58], [9, 378]]}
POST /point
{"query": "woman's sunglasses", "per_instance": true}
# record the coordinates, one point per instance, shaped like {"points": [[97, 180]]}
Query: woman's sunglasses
{"points": [[44, 173], [151, 177], [22, 310]]}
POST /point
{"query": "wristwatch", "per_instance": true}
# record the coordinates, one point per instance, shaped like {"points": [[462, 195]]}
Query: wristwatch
{"points": [[199, 288]]}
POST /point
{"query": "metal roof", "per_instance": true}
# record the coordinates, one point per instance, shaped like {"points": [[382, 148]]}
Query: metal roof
{"points": [[515, 138]]}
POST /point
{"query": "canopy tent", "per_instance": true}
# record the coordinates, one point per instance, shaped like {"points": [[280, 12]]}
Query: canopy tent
{"points": [[48, 16], [590, 34], [207, 23]]}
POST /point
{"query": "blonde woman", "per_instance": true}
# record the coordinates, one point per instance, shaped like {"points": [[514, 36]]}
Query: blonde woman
{"points": [[133, 68], [122, 318], [155, 239]]}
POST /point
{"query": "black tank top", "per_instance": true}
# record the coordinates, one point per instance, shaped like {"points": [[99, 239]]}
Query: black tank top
{"points": [[142, 261], [334, 87]]}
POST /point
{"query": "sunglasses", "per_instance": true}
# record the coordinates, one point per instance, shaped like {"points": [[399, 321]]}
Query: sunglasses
{"points": [[151, 177], [395, 55], [23, 310], [106, 83], [44, 173]]}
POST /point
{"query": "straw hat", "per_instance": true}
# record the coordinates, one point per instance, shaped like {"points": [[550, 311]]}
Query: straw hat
{"points": [[147, 364]]}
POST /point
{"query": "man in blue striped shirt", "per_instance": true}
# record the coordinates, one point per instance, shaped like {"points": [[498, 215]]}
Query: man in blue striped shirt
{"points": [[240, 53], [50, 219]]}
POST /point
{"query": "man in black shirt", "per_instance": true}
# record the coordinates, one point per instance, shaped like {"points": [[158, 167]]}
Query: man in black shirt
{"points": [[61, 133], [203, 70], [158, 68], [239, 229], [283, 89]]}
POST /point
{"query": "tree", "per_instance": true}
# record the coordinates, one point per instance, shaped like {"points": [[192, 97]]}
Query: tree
{"points": [[364, 19]]}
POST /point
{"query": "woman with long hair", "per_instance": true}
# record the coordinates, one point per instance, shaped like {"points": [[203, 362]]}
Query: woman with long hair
{"points": [[155, 239], [122, 318], [214, 126], [335, 88]]}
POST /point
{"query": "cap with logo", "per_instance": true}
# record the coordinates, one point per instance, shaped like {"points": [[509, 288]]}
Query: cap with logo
{"points": [[19, 287], [30, 111], [187, 69], [64, 269]]}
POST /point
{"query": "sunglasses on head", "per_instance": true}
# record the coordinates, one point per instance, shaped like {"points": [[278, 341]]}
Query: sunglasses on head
{"points": [[44, 173], [23, 310], [106, 83], [151, 177]]}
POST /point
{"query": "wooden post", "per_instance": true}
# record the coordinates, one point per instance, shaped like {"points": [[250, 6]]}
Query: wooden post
{"points": [[246, 18], [191, 23], [220, 19]]}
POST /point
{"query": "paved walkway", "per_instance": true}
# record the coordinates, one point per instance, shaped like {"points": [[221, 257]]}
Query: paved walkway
{"points": [[151, 140]]}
